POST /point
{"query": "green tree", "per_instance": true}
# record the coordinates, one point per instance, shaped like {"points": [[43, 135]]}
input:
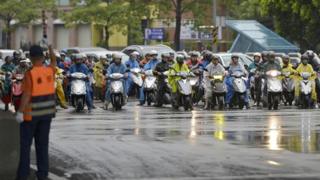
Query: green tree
{"points": [[180, 7], [296, 20], [104, 14], [21, 12]]}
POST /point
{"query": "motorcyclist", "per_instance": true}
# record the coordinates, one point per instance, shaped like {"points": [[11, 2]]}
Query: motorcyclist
{"points": [[8, 66], [16, 57], [179, 66], [313, 59], [271, 64], [130, 64], [146, 59], [287, 66], [7, 69], [160, 68], [256, 61], [306, 67], [234, 67], [80, 67], [214, 68], [194, 62], [23, 67], [152, 62], [98, 74], [59, 88], [116, 67], [207, 57]]}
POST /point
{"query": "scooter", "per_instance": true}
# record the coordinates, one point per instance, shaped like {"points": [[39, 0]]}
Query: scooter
{"points": [[136, 78], [288, 85], [255, 86], [218, 91], [78, 90], [164, 88], [184, 91], [305, 90], [149, 87], [16, 90], [240, 89], [274, 89], [197, 85], [117, 91]]}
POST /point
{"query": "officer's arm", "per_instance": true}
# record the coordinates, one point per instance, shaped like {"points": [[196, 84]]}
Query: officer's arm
{"points": [[53, 59]]}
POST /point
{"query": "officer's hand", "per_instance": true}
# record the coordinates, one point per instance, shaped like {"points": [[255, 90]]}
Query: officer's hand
{"points": [[19, 117]]}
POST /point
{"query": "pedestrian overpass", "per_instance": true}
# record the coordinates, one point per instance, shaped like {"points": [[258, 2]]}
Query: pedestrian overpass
{"points": [[255, 37]]}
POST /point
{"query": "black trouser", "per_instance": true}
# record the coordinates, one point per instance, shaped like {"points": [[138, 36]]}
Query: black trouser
{"points": [[39, 130]]}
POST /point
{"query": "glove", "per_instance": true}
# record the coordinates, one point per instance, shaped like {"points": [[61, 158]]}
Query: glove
{"points": [[19, 117]]}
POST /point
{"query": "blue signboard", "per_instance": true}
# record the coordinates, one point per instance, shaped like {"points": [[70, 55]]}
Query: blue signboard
{"points": [[154, 33]]}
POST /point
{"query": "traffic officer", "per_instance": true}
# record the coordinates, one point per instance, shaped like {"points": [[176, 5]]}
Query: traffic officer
{"points": [[36, 112]]}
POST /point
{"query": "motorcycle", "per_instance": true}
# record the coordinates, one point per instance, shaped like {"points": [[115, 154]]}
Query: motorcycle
{"points": [[218, 91], [136, 78], [149, 87], [197, 85], [255, 86], [164, 88], [288, 85], [274, 89], [240, 89], [184, 91], [305, 90], [78, 90], [117, 91], [16, 90]]}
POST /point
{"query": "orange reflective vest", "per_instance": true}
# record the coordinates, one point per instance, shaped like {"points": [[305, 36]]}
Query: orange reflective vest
{"points": [[42, 103]]}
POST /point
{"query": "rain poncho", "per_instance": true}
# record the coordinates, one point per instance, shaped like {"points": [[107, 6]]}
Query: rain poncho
{"points": [[173, 79], [306, 68]]}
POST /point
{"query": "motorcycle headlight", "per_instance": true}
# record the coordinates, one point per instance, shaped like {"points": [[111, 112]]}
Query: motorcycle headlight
{"points": [[219, 77]]}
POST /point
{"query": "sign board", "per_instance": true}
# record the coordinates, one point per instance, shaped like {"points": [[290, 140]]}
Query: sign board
{"points": [[188, 33], [154, 33]]}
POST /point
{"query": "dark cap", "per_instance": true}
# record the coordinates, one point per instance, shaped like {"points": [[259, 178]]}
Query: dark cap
{"points": [[36, 51]]}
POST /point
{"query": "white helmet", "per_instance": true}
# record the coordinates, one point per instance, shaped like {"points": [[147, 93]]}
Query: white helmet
{"points": [[153, 52], [135, 53], [117, 56]]}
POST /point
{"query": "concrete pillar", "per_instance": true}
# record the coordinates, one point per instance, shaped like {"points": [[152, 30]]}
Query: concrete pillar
{"points": [[9, 146]]}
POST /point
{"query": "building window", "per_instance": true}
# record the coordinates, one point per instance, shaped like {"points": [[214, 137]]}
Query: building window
{"points": [[63, 2]]}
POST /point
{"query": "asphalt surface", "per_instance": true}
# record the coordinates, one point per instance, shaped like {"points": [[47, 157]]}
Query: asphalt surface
{"points": [[159, 143]]}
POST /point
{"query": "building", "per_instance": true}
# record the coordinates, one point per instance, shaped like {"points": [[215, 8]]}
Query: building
{"points": [[81, 35]]}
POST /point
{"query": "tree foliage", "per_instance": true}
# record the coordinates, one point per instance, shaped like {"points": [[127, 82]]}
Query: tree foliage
{"points": [[296, 20], [199, 10], [110, 16], [22, 12]]}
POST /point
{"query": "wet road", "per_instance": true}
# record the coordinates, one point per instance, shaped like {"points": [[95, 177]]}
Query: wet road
{"points": [[146, 142]]}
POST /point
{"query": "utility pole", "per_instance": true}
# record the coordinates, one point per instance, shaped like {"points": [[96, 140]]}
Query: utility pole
{"points": [[214, 17]]}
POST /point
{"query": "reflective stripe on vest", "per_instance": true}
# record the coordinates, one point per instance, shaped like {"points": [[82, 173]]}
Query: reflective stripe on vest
{"points": [[42, 102]]}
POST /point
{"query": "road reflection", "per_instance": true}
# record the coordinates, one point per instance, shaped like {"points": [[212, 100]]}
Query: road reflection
{"points": [[274, 133], [218, 119]]}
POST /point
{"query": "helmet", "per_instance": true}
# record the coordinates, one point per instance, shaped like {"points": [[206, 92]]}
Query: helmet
{"points": [[214, 57], [193, 54], [117, 56], [153, 52], [208, 56], [180, 58], [165, 55], [234, 56], [103, 57], [257, 54], [134, 53], [285, 57], [109, 57]]}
